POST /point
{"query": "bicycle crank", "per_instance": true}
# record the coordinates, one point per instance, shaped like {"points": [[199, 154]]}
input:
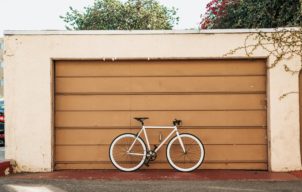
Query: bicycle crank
{"points": [[151, 156]]}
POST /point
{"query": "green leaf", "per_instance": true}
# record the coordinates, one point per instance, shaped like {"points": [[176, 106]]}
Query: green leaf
{"points": [[116, 15]]}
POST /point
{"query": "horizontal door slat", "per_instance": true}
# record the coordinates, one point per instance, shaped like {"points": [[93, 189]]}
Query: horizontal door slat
{"points": [[161, 102], [100, 85], [208, 136], [215, 153], [155, 165], [160, 68], [190, 118]]}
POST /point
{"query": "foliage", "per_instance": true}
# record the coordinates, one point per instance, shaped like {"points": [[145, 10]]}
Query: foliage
{"points": [[284, 43], [215, 10], [251, 14], [116, 15]]}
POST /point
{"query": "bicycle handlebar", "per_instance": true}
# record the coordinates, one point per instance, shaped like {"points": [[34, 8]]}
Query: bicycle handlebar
{"points": [[177, 122]]}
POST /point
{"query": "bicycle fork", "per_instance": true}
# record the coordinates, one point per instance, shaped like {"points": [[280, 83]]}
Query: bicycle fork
{"points": [[181, 143]]}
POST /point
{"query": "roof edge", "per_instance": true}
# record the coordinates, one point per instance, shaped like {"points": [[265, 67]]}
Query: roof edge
{"points": [[142, 32]]}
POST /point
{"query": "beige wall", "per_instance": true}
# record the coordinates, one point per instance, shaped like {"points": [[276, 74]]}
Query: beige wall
{"points": [[1, 49], [28, 84], [1, 66]]}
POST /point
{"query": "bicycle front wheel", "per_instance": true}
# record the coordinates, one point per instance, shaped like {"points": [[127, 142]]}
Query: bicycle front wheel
{"points": [[127, 152], [188, 158]]}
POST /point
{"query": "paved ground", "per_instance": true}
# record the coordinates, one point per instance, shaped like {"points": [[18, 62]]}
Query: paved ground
{"points": [[1, 153], [152, 180], [143, 175], [30, 185]]}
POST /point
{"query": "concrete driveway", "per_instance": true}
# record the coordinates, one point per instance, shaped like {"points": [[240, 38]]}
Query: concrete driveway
{"points": [[152, 180], [29, 185]]}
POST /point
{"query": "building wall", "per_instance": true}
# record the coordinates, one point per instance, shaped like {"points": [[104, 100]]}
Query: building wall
{"points": [[29, 79], [1, 67]]}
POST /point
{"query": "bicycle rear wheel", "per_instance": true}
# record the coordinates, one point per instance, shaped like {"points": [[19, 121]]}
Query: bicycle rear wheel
{"points": [[188, 160], [123, 158]]}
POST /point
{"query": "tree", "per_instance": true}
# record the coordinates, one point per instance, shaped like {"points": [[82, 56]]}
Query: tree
{"points": [[215, 10], [301, 7], [252, 14], [116, 15]]}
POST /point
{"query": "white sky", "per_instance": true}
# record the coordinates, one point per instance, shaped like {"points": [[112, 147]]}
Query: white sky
{"points": [[44, 14]]}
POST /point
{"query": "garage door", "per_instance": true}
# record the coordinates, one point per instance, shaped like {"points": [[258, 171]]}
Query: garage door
{"points": [[220, 101]]}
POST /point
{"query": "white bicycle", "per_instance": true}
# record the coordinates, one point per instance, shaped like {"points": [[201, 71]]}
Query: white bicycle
{"points": [[128, 152]]}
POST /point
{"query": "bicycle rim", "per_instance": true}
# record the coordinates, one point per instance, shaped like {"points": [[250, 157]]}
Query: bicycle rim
{"points": [[189, 160], [120, 156]]}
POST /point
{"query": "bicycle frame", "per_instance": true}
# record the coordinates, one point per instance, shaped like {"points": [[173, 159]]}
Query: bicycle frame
{"points": [[143, 130]]}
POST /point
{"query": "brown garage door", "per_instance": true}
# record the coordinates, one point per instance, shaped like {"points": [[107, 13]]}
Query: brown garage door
{"points": [[221, 101]]}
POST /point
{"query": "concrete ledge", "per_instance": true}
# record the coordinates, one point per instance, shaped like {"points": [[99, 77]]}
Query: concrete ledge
{"points": [[6, 167], [143, 32]]}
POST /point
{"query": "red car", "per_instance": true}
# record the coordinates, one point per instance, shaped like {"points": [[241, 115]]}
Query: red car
{"points": [[2, 139]]}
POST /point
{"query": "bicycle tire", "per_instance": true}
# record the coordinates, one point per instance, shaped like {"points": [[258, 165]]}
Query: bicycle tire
{"points": [[138, 162], [173, 148]]}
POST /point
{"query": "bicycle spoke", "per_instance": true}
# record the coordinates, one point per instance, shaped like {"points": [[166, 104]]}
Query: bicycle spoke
{"points": [[189, 146], [184, 152], [188, 160], [120, 156]]}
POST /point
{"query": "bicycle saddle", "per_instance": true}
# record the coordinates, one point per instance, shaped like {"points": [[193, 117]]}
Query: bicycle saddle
{"points": [[141, 119]]}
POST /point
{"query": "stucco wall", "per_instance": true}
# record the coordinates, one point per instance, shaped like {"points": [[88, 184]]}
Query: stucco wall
{"points": [[28, 84]]}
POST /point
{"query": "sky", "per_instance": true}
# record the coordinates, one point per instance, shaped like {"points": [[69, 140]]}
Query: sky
{"points": [[44, 14]]}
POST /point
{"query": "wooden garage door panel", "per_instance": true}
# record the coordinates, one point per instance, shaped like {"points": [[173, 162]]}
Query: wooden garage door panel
{"points": [[156, 165], [94, 85], [215, 153], [161, 102], [220, 101], [209, 136], [160, 68], [190, 118]]}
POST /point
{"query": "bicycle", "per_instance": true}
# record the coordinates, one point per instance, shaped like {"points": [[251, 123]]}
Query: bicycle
{"points": [[128, 152]]}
